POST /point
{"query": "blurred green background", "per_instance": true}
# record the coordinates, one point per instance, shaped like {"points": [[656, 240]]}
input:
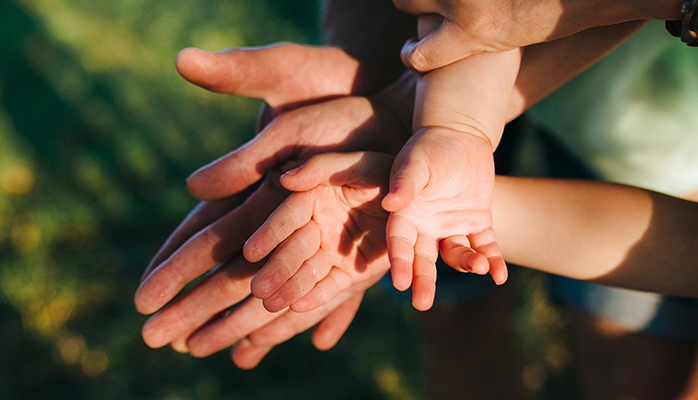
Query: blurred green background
{"points": [[97, 133]]}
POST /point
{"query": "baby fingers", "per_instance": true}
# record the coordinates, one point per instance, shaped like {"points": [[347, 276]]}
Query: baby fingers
{"points": [[424, 281], [477, 253]]}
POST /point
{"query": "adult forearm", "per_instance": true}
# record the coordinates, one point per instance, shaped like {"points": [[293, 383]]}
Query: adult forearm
{"points": [[373, 30], [598, 231], [547, 66]]}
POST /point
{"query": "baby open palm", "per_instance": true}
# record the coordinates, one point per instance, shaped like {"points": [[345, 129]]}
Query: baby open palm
{"points": [[441, 195]]}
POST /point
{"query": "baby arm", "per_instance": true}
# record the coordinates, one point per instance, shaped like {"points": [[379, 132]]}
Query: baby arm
{"points": [[443, 178], [608, 233]]}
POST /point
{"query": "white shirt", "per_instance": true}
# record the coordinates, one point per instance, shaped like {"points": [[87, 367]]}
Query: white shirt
{"points": [[633, 116]]}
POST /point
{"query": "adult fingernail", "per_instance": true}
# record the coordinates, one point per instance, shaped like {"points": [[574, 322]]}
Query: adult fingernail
{"points": [[292, 172]]}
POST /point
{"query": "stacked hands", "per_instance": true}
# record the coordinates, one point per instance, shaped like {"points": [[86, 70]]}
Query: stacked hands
{"points": [[335, 190], [306, 230]]}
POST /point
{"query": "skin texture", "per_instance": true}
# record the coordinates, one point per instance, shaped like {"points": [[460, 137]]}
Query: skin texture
{"points": [[632, 230], [474, 26], [210, 239], [442, 179]]}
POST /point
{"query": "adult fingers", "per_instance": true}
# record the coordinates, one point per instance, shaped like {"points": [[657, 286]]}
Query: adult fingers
{"points": [[205, 250], [293, 214], [441, 47], [286, 261], [201, 216], [330, 330], [337, 169], [248, 353], [284, 74], [241, 168], [292, 323], [227, 286], [301, 284], [238, 324]]}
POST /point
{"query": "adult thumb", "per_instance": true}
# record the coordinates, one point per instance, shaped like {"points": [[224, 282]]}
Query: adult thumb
{"points": [[282, 74], [441, 47]]}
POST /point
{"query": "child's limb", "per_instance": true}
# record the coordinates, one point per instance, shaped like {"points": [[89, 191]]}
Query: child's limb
{"points": [[452, 199], [608, 233], [330, 232], [443, 178]]}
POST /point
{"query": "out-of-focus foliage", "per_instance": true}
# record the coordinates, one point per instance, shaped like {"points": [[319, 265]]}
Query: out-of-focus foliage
{"points": [[97, 133]]}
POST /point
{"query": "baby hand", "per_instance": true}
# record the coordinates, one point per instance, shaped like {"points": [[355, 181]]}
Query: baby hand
{"points": [[327, 236], [441, 193]]}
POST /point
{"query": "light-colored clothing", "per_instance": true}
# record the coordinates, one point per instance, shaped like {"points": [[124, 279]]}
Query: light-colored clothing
{"points": [[633, 117]]}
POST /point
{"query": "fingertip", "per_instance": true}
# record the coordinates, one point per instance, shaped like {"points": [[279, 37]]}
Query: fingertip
{"points": [[186, 59], [422, 301], [412, 57], [395, 200], [247, 356], [143, 302], [401, 281], [264, 284], [422, 304], [196, 348], [499, 272], [312, 300], [292, 180], [479, 264], [388, 203], [150, 336], [216, 71], [276, 302], [180, 346], [252, 251], [198, 184], [196, 65]]}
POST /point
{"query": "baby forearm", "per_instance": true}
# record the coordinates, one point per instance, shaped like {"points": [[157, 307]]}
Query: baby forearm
{"points": [[597, 231], [471, 95]]}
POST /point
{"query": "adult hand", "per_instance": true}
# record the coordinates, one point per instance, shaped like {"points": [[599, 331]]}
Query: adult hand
{"points": [[327, 236], [213, 235], [473, 26], [285, 76]]}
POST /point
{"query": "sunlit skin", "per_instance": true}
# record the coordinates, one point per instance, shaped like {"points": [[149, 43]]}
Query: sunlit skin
{"points": [[210, 240], [443, 178], [207, 250], [475, 26], [329, 238]]}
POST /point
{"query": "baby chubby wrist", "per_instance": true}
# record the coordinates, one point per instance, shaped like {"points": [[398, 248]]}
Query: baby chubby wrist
{"points": [[469, 132]]}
